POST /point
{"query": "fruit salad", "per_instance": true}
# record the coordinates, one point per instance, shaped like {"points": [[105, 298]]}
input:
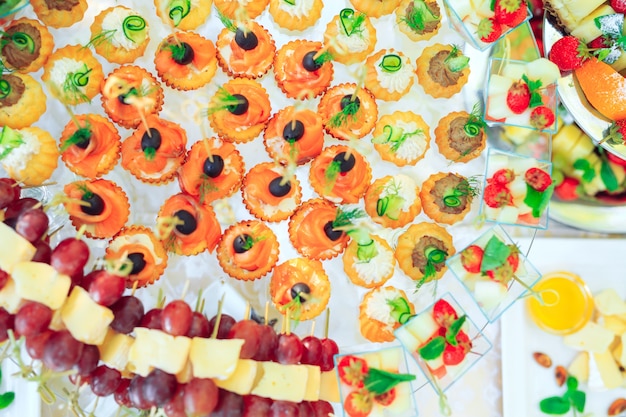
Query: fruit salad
{"points": [[522, 93], [517, 190], [373, 384], [494, 271], [483, 22], [443, 341]]}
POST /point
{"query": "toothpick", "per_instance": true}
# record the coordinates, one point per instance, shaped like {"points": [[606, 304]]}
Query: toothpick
{"points": [[327, 324], [248, 311], [313, 328], [135, 284], [267, 312], [216, 327], [185, 289]]}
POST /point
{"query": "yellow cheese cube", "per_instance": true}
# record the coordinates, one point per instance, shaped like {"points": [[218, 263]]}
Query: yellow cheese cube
{"points": [[593, 338], [609, 302], [329, 387], [614, 324], [281, 382], [157, 349], [9, 300], [13, 248], [312, 389], [186, 374], [85, 319], [40, 282], [203, 354], [115, 349], [579, 368], [609, 371], [56, 323], [243, 379], [621, 357]]}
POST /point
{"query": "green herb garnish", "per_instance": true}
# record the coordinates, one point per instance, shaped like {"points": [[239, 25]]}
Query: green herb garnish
{"points": [[534, 86], [495, 254], [418, 16], [400, 310], [572, 398], [6, 399], [391, 63], [348, 112], [5, 89], [589, 173], [80, 136], [178, 9], [351, 22], [380, 382], [454, 329], [433, 349], [74, 81], [456, 61], [538, 200], [9, 140], [474, 123]]}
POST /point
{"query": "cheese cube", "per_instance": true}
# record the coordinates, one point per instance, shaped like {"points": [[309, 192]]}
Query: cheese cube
{"points": [[114, 350], [614, 324], [579, 368], [281, 382], [329, 387], [56, 323], [312, 390], [157, 349], [242, 380], [186, 374], [86, 320], [608, 302], [9, 300], [593, 338], [609, 371], [13, 248], [621, 358], [36, 281], [203, 352]]}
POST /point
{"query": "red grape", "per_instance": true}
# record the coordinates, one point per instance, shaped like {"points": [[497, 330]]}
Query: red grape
{"points": [[88, 360], [200, 397], [176, 318], [250, 332], [32, 224], [329, 350], [4, 278], [127, 312], [267, 345], [312, 354], [289, 349], [229, 404], [199, 326], [43, 253], [176, 406], [7, 322], [32, 318], [35, 344], [70, 256], [9, 192], [152, 319], [159, 387], [121, 393], [135, 393], [254, 406], [322, 408], [106, 288], [226, 322], [61, 351], [104, 380], [14, 209], [283, 409], [305, 409]]}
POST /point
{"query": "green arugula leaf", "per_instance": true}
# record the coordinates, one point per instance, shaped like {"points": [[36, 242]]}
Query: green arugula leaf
{"points": [[554, 405], [379, 382], [621, 42], [6, 399], [454, 330], [495, 254], [577, 399], [608, 176], [433, 349], [538, 200]]}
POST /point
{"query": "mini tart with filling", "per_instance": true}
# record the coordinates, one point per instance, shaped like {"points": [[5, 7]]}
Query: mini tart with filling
{"points": [[393, 201], [130, 92], [300, 288], [22, 100], [446, 197], [294, 135], [301, 70], [241, 10], [390, 74], [375, 8], [311, 230], [349, 112], [460, 136], [239, 111], [340, 174], [401, 137], [378, 313], [442, 70], [268, 195], [119, 35], [187, 227], [26, 45], [90, 145], [185, 61], [29, 155], [73, 75], [154, 156], [248, 250], [245, 51], [296, 14], [350, 37], [59, 13], [422, 251], [214, 169], [183, 14], [369, 265], [104, 209], [420, 20], [139, 245]]}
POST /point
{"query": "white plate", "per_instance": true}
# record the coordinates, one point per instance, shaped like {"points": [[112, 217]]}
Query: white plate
{"points": [[601, 263]]}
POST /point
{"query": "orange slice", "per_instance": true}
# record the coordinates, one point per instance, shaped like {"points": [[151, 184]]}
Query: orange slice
{"points": [[604, 88]]}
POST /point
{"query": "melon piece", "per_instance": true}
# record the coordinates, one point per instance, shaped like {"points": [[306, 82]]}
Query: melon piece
{"points": [[422, 326], [543, 69], [514, 71], [407, 339], [489, 293]]}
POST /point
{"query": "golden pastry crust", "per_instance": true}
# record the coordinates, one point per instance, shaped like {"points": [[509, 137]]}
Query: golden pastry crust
{"points": [[401, 138], [376, 330], [23, 103], [78, 86], [34, 167], [289, 16], [436, 191], [104, 43], [403, 15], [435, 77], [381, 271], [375, 8], [392, 186], [182, 75], [293, 78], [453, 140], [16, 56], [386, 84], [350, 48], [248, 250], [413, 243], [300, 271], [70, 13], [241, 10], [196, 15], [343, 119], [249, 63]]}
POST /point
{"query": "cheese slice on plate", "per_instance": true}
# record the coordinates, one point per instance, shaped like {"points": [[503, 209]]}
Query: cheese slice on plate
{"points": [[609, 371], [593, 338], [608, 302], [579, 368]]}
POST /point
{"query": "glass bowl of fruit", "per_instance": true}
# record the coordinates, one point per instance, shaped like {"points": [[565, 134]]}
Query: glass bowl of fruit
{"points": [[444, 342], [494, 271]]}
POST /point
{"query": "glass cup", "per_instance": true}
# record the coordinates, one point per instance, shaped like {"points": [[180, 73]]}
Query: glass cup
{"points": [[519, 44]]}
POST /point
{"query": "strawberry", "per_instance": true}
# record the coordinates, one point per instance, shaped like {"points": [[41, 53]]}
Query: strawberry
{"points": [[471, 258], [537, 178], [503, 273], [502, 176], [358, 403], [497, 195], [352, 370], [616, 159], [619, 6], [386, 398], [454, 355], [518, 97], [510, 12], [542, 117], [617, 133], [489, 30], [599, 43], [443, 313], [568, 53], [513, 258], [567, 190]]}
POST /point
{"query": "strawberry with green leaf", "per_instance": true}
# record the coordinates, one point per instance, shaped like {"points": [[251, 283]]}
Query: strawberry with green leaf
{"points": [[489, 30], [510, 13]]}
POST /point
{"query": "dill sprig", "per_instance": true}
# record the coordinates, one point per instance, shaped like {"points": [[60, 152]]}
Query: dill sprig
{"points": [[206, 186], [82, 187], [100, 38], [324, 57], [331, 173], [74, 83], [456, 61], [80, 136], [345, 219], [418, 16], [222, 100], [228, 24], [178, 51], [474, 122], [349, 111]]}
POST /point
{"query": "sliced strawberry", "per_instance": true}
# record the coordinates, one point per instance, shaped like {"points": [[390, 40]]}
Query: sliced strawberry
{"points": [[502, 176], [471, 258], [503, 273], [537, 178], [513, 258], [542, 117], [497, 195], [518, 97], [386, 398], [510, 12], [567, 190], [358, 403], [454, 355], [599, 43], [352, 371], [489, 30], [443, 313], [568, 53], [619, 6]]}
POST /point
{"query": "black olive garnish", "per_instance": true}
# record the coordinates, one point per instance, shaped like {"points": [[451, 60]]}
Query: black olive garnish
{"points": [[293, 130], [241, 107], [246, 40], [96, 204], [213, 168], [331, 233], [189, 222], [187, 55], [278, 188], [139, 263], [347, 99], [153, 141], [309, 63], [242, 244], [345, 164], [298, 290]]}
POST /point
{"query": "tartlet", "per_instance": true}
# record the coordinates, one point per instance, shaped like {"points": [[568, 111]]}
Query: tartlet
{"points": [[420, 20], [401, 138], [28, 155], [26, 45], [296, 14], [378, 313], [375, 8], [447, 197], [183, 14], [22, 100], [302, 69], [390, 74], [442, 70], [241, 9], [393, 200], [349, 112], [370, 266], [59, 14], [460, 136], [350, 37], [245, 50], [120, 35]]}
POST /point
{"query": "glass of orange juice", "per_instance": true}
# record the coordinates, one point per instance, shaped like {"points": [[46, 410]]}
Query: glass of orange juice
{"points": [[565, 303]]}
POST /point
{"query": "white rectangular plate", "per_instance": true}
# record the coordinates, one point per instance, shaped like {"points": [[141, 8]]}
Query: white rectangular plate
{"points": [[602, 264]]}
